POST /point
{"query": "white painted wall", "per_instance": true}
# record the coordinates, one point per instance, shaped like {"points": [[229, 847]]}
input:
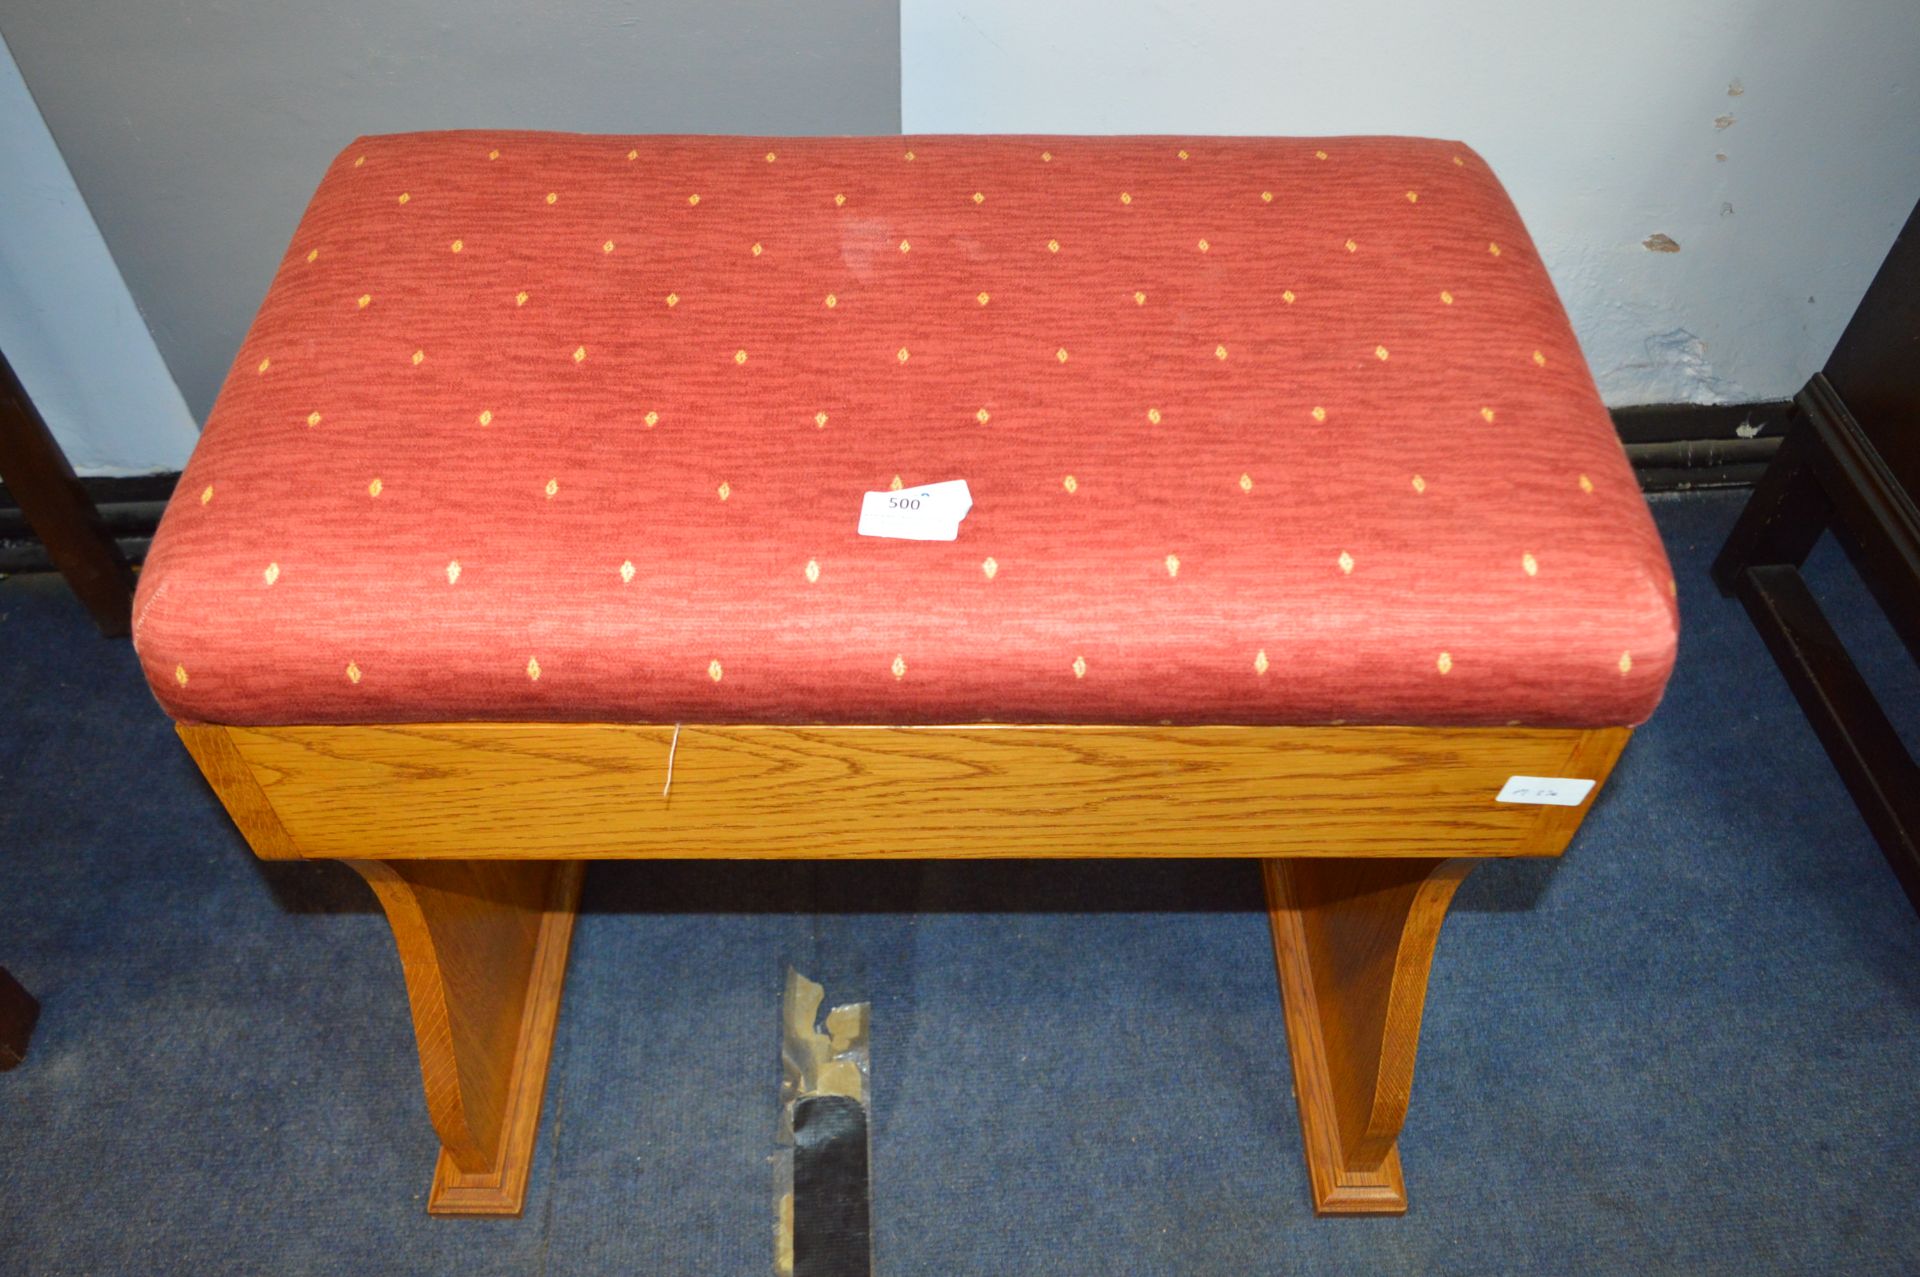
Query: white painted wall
{"points": [[1601, 119], [67, 324]]}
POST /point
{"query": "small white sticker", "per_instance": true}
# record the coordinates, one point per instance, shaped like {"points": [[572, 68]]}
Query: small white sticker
{"points": [[1555, 791], [931, 512]]}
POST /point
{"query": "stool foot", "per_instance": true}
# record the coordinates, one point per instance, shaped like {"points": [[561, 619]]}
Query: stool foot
{"points": [[1353, 941], [483, 945]]}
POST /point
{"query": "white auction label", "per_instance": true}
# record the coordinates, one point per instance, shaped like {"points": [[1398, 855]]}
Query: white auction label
{"points": [[1555, 791], [930, 512]]}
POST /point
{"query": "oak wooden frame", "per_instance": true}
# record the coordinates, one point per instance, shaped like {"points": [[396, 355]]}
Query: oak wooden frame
{"points": [[472, 834]]}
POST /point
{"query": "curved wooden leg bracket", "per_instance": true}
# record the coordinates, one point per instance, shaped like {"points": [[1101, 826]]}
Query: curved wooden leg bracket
{"points": [[483, 945], [1353, 941]]}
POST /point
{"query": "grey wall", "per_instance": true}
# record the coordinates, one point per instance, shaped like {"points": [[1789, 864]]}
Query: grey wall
{"points": [[66, 323], [196, 129]]}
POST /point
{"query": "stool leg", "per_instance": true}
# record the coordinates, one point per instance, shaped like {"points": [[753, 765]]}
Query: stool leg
{"points": [[483, 945], [1353, 941]]}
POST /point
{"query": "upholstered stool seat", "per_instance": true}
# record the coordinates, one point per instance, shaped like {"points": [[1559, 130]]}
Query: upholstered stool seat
{"points": [[560, 428], [527, 530]]}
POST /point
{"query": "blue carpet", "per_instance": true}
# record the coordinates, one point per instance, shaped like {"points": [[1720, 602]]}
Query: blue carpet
{"points": [[1689, 1046]]}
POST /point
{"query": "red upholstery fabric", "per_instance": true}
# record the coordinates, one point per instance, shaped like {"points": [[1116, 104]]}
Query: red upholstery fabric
{"points": [[536, 426]]}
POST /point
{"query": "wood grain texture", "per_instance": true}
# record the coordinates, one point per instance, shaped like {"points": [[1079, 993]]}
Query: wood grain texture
{"points": [[538, 791], [1593, 756], [1353, 943], [233, 781], [483, 945]]}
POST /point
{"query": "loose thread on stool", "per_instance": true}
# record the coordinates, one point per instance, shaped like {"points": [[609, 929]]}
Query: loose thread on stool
{"points": [[672, 749]]}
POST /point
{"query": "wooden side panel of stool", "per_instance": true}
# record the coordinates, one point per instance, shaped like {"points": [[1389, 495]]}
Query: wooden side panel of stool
{"points": [[1353, 941], [535, 791], [483, 945]]}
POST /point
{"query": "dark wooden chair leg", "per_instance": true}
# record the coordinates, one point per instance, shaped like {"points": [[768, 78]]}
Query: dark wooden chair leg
{"points": [[1785, 516], [18, 1012], [1829, 475], [1865, 747], [36, 472]]}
